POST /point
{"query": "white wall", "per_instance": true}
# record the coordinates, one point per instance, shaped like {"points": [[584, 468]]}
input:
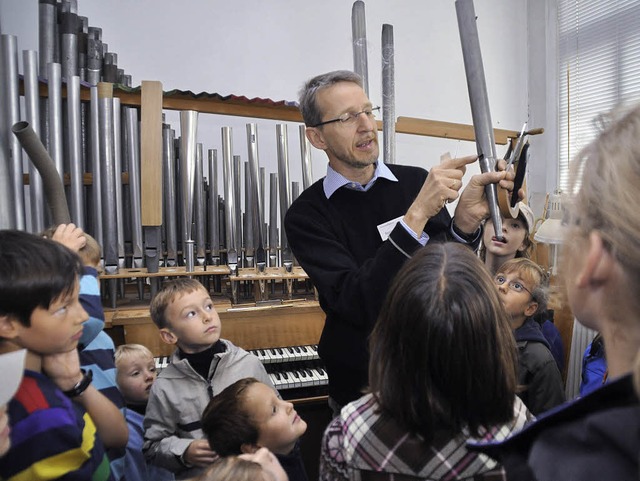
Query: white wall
{"points": [[269, 48]]}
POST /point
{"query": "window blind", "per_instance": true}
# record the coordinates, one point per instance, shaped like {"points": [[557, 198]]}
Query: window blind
{"points": [[599, 69]]}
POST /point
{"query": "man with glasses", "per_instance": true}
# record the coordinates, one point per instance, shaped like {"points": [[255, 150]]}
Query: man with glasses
{"points": [[522, 286], [353, 230]]}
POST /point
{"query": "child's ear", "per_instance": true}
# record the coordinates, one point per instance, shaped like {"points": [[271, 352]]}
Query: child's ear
{"points": [[531, 309], [9, 327], [167, 336], [248, 448]]}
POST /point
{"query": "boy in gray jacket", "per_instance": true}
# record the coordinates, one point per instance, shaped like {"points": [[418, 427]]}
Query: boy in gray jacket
{"points": [[201, 367]]}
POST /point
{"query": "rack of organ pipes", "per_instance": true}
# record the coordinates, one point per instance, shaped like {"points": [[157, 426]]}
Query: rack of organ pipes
{"points": [[95, 138]]}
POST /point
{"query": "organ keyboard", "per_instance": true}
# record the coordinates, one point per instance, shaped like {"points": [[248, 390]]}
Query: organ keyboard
{"points": [[295, 371]]}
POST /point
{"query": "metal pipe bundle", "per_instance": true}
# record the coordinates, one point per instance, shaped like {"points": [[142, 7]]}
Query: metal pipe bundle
{"points": [[359, 38], [388, 96], [68, 39], [479, 100], [188, 135]]}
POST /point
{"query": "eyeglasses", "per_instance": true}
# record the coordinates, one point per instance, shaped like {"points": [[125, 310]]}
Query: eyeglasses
{"points": [[350, 117], [515, 286]]}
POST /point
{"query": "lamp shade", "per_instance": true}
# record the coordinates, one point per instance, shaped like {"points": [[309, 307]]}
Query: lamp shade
{"points": [[551, 231]]}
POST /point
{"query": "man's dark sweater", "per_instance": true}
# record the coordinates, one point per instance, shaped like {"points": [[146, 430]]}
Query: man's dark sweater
{"points": [[337, 243]]}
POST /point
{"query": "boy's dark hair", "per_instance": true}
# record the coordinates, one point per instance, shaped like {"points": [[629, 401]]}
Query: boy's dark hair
{"points": [[166, 295], [226, 422], [443, 355], [34, 272]]}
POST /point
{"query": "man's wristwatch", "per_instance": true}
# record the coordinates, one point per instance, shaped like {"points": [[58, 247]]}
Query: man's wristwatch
{"points": [[82, 385]]}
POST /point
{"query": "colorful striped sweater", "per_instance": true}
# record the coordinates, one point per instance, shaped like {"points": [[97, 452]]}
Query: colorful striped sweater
{"points": [[51, 437]]}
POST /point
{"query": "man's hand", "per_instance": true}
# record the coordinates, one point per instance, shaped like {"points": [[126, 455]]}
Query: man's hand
{"points": [[473, 207], [442, 186], [70, 236], [199, 454]]}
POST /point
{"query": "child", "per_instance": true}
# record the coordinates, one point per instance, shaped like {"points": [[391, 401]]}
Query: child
{"points": [[202, 366], [521, 284], [442, 370], [136, 371], [259, 466], [96, 348], [596, 437], [59, 420], [516, 242], [248, 415]]}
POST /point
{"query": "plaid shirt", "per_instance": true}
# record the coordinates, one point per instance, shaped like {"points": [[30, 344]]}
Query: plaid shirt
{"points": [[362, 445]]}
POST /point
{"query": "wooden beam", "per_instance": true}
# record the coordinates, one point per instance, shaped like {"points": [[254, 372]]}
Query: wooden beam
{"points": [[447, 130], [151, 153]]}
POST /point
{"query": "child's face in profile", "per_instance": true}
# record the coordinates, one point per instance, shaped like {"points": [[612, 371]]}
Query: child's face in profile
{"points": [[135, 377], [56, 329], [278, 423], [194, 322]]}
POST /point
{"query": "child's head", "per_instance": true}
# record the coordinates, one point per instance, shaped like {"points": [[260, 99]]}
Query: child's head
{"points": [[186, 316], [39, 306], [516, 236], [523, 288], [248, 415], [89, 254], [442, 353], [136, 371], [259, 466]]}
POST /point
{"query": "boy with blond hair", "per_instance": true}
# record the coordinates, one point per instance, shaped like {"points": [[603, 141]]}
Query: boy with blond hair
{"points": [[202, 365], [135, 374], [522, 285]]}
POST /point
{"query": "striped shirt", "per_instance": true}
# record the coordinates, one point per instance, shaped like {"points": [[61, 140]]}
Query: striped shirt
{"points": [[51, 437]]}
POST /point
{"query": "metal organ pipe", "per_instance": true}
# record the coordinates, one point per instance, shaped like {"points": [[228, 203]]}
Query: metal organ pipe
{"points": [[32, 105], [133, 155], [74, 141], [11, 99], [188, 135], [388, 96], [229, 211], [170, 205], [285, 192]]}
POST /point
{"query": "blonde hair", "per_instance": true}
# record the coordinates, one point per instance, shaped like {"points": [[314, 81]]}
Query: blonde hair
{"points": [[532, 273], [89, 254], [127, 351], [604, 193], [235, 468], [168, 293]]}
